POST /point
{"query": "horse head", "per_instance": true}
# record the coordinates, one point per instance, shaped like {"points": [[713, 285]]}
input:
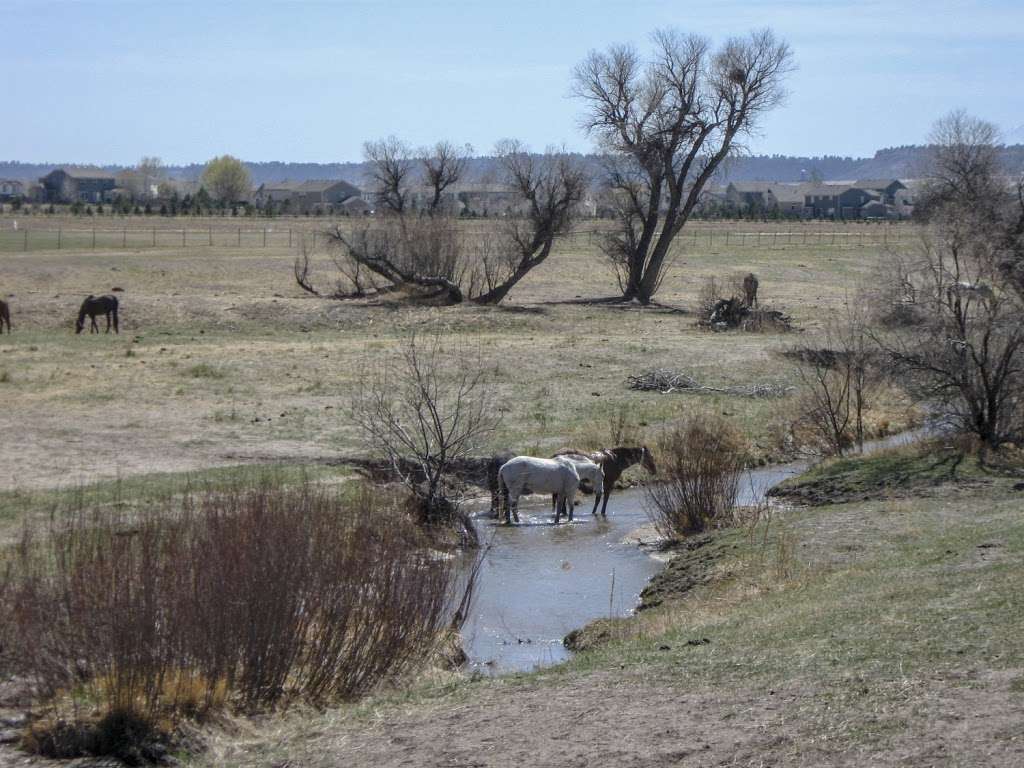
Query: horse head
{"points": [[647, 460]]}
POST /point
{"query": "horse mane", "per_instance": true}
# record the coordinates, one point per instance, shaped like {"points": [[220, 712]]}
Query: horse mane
{"points": [[626, 451], [82, 309]]}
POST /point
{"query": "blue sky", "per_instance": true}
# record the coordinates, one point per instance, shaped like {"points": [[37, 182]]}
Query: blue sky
{"points": [[107, 82]]}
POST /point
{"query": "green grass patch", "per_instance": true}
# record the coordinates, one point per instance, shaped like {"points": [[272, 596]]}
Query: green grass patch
{"points": [[888, 472]]}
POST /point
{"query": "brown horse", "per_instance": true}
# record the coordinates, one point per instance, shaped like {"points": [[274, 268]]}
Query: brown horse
{"points": [[613, 462], [97, 305], [750, 291], [5, 316]]}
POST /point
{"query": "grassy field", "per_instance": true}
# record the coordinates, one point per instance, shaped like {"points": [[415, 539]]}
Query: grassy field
{"points": [[223, 360]]}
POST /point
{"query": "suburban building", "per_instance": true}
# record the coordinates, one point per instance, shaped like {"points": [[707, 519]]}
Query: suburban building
{"points": [[887, 189], [356, 206], [307, 196], [71, 185], [11, 188], [869, 198]]}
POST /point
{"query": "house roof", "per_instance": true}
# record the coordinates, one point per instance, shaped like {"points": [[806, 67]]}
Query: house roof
{"points": [[323, 185], [754, 186], [86, 173], [877, 183], [312, 185]]}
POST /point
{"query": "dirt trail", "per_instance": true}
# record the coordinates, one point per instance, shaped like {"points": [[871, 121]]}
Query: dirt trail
{"points": [[605, 720]]}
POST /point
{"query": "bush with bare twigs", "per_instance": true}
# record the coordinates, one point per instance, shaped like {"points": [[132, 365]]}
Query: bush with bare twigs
{"points": [[839, 382], [252, 597], [701, 460], [426, 411]]}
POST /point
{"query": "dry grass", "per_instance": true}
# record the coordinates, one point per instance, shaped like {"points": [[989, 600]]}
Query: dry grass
{"points": [[93, 407]]}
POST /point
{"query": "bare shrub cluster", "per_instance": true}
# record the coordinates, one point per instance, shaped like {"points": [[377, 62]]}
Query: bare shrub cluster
{"points": [[839, 382], [426, 411], [252, 597], [701, 460]]}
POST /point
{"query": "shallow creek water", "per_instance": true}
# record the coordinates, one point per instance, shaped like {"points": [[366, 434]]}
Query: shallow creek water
{"points": [[538, 581]]}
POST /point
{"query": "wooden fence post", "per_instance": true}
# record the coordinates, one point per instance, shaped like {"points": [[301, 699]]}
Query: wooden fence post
{"points": [[154, 237], [94, 238], [211, 234], [264, 237], [239, 237], [26, 238], [58, 238], [124, 237], [182, 238]]}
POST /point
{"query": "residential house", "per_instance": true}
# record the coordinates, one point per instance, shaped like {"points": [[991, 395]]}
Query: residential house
{"points": [[307, 196], [70, 185], [11, 188], [886, 189], [355, 206], [767, 196], [870, 198]]}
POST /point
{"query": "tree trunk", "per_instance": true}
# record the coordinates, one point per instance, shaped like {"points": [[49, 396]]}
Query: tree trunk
{"points": [[496, 294]]}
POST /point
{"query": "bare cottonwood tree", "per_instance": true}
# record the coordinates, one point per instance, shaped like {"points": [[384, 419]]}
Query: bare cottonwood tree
{"points": [[667, 124], [425, 411], [392, 169], [443, 166], [431, 252], [967, 187]]}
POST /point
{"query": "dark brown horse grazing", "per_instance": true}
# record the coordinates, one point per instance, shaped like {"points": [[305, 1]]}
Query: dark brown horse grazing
{"points": [[97, 305], [613, 462], [5, 316]]}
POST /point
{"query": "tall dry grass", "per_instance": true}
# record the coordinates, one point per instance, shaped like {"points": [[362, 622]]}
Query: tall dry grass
{"points": [[700, 461], [252, 597]]}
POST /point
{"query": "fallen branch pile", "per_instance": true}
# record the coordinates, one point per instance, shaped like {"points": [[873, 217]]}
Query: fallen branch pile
{"points": [[665, 380]]}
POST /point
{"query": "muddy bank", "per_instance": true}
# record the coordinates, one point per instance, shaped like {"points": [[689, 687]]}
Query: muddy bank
{"points": [[692, 564]]}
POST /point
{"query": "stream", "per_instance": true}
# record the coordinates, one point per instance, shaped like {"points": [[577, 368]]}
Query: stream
{"points": [[539, 581]]}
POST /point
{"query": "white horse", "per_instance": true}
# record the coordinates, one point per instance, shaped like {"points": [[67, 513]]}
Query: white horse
{"points": [[587, 470], [526, 474]]}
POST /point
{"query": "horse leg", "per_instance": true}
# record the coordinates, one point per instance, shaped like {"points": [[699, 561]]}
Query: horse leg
{"points": [[108, 323], [93, 327], [604, 507], [116, 329]]}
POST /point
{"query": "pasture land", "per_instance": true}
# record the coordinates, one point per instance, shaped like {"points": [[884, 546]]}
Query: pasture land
{"points": [[223, 360]]}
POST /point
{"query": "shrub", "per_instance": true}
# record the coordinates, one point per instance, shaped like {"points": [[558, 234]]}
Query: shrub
{"points": [[701, 459], [205, 371], [251, 596]]}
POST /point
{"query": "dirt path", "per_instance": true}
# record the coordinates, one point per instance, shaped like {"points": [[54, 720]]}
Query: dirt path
{"points": [[604, 720]]}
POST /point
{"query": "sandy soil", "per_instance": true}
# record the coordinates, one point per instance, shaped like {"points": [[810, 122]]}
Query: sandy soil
{"points": [[603, 720]]}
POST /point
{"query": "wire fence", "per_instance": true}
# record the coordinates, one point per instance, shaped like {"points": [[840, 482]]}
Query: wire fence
{"points": [[135, 238], [714, 237], [27, 238]]}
